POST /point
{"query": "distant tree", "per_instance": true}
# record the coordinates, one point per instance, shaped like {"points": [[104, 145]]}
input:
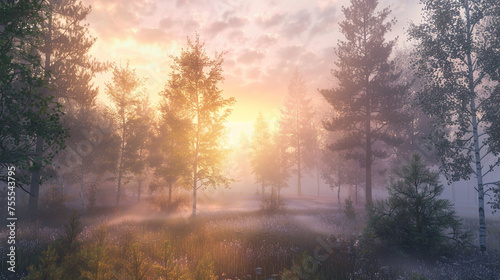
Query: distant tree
{"points": [[333, 170], [412, 218], [261, 152], [28, 109], [458, 55], [297, 120], [170, 145], [367, 102], [193, 84], [141, 135], [123, 92], [280, 161]]}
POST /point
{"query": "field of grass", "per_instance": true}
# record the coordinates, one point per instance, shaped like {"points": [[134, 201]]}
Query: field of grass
{"points": [[297, 243]]}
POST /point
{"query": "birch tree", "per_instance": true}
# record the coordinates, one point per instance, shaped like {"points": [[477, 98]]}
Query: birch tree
{"points": [[458, 54], [194, 86]]}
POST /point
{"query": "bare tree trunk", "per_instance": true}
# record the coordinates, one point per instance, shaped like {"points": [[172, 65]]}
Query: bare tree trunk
{"points": [[139, 190], [120, 165], [477, 150], [81, 190], [35, 179]]}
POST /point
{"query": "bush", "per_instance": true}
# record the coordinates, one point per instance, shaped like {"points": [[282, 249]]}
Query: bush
{"points": [[349, 211], [52, 204], [161, 201], [272, 203], [412, 219]]}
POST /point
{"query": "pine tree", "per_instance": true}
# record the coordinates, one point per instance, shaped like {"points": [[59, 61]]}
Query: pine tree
{"points": [[193, 85], [28, 109], [69, 70], [367, 101], [297, 126], [261, 156], [458, 55], [413, 218]]}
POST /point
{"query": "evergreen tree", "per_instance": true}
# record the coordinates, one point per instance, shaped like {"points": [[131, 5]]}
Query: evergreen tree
{"points": [[193, 85], [28, 109], [261, 156], [367, 102], [458, 55], [297, 125], [413, 219], [69, 70]]}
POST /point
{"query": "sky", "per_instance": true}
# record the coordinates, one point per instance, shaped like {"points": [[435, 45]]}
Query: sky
{"points": [[264, 41]]}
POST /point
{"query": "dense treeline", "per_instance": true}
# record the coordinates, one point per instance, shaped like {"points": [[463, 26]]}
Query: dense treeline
{"points": [[63, 141]]}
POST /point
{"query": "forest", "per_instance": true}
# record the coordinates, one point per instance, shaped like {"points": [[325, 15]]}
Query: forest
{"points": [[250, 140]]}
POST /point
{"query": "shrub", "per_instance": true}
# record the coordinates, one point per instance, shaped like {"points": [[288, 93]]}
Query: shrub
{"points": [[205, 270], [413, 219], [349, 211], [272, 203], [52, 203]]}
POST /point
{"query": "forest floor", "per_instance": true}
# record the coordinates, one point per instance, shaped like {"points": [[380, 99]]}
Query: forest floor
{"points": [[238, 238]]}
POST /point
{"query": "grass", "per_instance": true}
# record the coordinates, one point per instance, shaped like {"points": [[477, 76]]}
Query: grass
{"points": [[236, 243]]}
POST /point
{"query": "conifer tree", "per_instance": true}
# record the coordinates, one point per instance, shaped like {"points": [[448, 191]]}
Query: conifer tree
{"points": [[367, 101]]}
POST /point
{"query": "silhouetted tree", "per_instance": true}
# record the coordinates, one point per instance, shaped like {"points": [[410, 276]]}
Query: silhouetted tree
{"points": [[193, 84], [367, 102], [458, 55]]}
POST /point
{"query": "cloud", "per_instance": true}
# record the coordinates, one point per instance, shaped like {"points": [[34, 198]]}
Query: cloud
{"points": [[297, 24], [250, 56], [151, 36], [273, 20], [228, 22], [266, 40], [326, 19]]}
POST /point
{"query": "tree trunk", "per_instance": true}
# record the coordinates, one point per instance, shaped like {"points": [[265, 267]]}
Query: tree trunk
{"points": [[35, 178], [338, 197], [477, 151], [368, 160], [81, 189], [170, 186], [36, 174], [120, 165], [139, 190]]}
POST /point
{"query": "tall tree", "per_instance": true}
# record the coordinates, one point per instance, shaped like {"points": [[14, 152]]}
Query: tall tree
{"points": [[123, 92], [458, 54], [193, 84], [69, 68], [261, 147], [297, 125], [27, 108], [169, 151], [367, 102], [141, 134]]}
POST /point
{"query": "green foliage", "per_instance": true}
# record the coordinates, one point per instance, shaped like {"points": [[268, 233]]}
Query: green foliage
{"points": [[205, 269], [29, 109], [458, 55], [48, 269], [98, 257], [304, 267], [349, 211], [52, 203], [413, 219], [137, 264], [368, 101]]}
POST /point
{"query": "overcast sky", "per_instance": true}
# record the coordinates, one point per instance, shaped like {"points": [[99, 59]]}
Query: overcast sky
{"points": [[265, 41]]}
